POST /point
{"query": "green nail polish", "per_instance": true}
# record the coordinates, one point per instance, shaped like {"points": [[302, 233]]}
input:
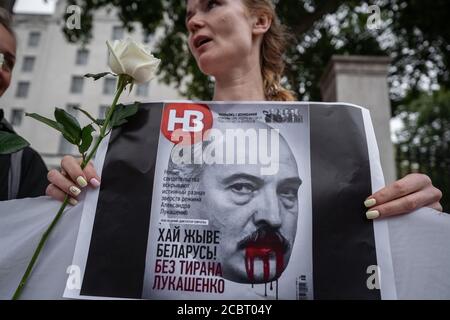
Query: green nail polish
{"points": [[373, 214], [370, 202]]}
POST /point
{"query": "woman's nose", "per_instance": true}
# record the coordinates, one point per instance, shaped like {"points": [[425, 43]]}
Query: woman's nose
{"points": [[268, 210], [195, 23]]}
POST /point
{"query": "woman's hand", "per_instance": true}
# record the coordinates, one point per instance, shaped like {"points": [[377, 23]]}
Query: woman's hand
{"points": [[405, 195], [71, 180]]}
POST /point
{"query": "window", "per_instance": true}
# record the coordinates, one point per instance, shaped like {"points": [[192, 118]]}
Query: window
{"points": [[34, 38], [82, 57], [28, 64], [142, 90], [16, 117], [109, 86], [65, 147], [77, 84], [102, 111], [117, 33], [23, 87]]}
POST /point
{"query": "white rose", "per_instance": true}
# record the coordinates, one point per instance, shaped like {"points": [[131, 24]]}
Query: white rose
{"points": [[132, 58]]}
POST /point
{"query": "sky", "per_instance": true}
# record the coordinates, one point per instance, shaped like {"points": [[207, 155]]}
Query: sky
{"points": [[34, 6]]}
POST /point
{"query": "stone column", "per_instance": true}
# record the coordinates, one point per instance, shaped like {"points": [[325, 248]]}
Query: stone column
{"points": [[362, 80]]}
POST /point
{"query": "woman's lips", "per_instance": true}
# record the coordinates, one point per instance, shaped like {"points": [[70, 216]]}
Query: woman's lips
{"points": [[200, 43], [203, 47], [200, 39]]}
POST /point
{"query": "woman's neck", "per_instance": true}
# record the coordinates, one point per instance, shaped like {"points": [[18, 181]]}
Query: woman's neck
{"points": [[244, 84]]}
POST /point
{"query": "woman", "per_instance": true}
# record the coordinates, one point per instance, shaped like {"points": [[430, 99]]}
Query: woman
{"points": [[240, 43]]}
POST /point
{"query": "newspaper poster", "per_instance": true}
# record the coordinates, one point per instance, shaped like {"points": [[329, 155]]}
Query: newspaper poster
{"points": [[245, 200]]}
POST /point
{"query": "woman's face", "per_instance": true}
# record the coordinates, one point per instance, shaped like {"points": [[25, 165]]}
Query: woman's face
{"points": [[220, 34], [8, 49]]}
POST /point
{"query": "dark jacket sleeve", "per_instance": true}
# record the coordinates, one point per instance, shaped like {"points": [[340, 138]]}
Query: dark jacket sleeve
{"points": [[4, 169], [33, 178]]}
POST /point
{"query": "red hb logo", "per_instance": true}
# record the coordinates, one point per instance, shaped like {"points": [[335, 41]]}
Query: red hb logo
{"points": [[180, 120]]}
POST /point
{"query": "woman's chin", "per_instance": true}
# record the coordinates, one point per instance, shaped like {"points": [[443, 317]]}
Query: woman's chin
{"points": [[209, 65]]}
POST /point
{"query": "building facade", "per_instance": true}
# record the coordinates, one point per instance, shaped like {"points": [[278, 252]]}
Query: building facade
{"points": [[49, 73]]}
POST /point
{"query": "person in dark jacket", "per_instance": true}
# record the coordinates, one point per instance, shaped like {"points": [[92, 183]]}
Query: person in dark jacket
{"points": [[22, 174]]}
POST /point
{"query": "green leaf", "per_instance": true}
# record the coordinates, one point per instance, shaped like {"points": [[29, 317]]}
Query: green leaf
{"points": [[57, 126], [72, 128], [69, 138], [121, 113], [50, 123], [86, 138], [98, 75], [100, 122], [11, 142], [120, 122]]}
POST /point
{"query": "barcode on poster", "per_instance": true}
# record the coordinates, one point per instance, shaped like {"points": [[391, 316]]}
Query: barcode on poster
{"points": [[302, 288]]}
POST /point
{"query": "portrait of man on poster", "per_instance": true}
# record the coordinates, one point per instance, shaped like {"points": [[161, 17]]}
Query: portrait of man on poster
{"points": [[256, 213]]}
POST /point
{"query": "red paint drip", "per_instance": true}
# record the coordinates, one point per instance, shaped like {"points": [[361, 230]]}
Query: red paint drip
{"points": [[263, 250]]}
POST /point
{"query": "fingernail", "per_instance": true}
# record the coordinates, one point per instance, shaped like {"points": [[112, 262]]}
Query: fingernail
{"points": [[94, 182], [373, 214], [74, 190], [73, 202], [370, 202], [81, 182]]}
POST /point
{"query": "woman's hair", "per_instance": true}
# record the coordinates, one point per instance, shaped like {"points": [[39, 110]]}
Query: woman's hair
{"points": [[272, 49], [5, 21]]}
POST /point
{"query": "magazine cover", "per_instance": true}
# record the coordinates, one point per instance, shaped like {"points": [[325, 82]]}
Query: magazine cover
{"points": [[254, 200]]}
